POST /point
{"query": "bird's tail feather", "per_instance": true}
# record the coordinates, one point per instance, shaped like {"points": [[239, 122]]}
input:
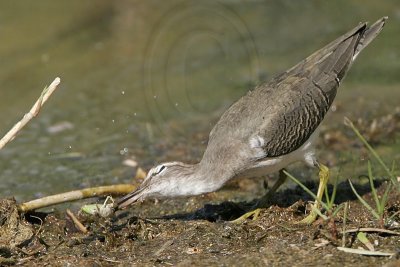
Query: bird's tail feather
{"points": [[369, 34]]}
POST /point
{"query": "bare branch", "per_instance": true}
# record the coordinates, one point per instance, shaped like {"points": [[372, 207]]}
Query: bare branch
{"points": [[46, 93]]}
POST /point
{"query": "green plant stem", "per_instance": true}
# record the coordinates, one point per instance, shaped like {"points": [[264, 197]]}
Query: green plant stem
{"points": [[373, 212], [349, 123], [306, 189]]}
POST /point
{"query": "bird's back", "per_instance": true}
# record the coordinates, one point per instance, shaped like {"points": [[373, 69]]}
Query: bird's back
{"points": [[284, 112]]}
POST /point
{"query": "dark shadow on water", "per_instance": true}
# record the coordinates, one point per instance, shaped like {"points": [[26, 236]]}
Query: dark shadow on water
{"points": [[228, 210]]}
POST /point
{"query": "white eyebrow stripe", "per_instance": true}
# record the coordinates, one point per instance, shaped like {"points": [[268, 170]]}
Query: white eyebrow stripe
{"points": [[159, 169]]}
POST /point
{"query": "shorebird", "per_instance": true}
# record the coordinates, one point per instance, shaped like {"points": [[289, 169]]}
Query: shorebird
{"points": [[272, 126]]}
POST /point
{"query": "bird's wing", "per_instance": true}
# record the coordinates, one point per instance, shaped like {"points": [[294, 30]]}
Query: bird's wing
{"points": [[279, 116], [300, 97]]}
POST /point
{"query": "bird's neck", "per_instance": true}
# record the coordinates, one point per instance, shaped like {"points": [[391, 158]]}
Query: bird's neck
{"points": [[201, 179], [210, 178]]}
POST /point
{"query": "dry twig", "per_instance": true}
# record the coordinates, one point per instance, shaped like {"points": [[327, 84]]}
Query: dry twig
{"points": [[77, 223], [119, 189], [374, 230], [31, 114]]}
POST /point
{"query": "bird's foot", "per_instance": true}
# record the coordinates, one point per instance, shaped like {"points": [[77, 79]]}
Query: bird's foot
{"points": [[309, 219], [323, 180], [254, 214], [262, 202]]}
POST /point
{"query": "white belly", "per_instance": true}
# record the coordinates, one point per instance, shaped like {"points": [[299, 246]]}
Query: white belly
{"points": [[270, 165]]}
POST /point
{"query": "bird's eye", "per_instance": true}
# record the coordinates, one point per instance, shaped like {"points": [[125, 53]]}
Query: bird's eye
{"points": [[159, 169]]}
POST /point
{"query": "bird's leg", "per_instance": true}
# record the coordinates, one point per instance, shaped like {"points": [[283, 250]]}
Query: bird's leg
{"points": [[323, 180], [263, 202]]}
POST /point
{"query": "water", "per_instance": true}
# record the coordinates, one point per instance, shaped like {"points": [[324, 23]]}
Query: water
{"points": [[148, 79]]}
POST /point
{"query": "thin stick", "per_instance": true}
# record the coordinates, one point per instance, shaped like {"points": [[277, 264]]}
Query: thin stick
{"points": [[46, 93], [77, 223], [374, 230], [119, 189], [346, 207]]}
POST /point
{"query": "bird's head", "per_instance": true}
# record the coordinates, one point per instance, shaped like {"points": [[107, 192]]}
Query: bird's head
{"points": [[165, 180]]}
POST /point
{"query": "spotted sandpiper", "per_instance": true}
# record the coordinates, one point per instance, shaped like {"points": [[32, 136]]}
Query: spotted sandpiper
{"points": [[272, 126]]}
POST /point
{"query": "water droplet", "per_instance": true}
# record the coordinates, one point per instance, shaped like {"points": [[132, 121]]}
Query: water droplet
{"points": [[124, 151]]}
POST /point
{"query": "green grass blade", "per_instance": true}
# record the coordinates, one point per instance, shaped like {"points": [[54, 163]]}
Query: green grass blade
{"points": [[373, 189], [335, 212], [324, 217], [327, 198], [335, 185], [385, 198], [362, 237], [349, 123], [306, 189], [373, 212]]}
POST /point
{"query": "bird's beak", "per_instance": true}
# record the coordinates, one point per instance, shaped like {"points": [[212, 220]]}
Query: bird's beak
{"points": [[131, 197]]}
